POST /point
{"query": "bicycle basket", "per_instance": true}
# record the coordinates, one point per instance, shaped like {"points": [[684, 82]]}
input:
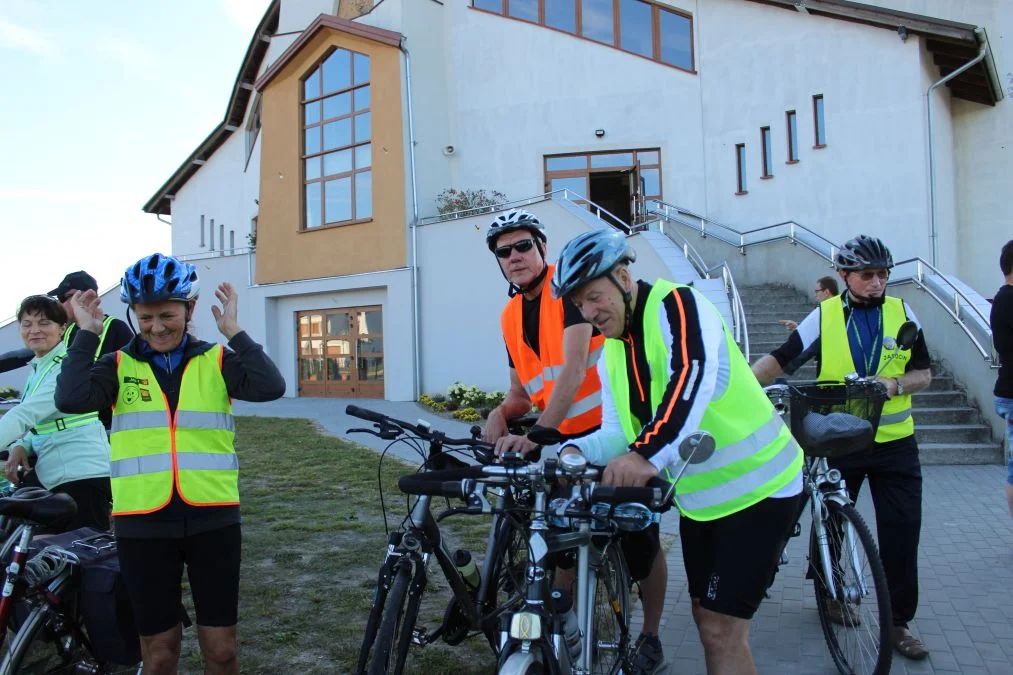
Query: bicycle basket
{"points": [[834, 419]]}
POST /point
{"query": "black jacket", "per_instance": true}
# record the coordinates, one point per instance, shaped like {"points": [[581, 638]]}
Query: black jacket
{"points": [[82, 387]]}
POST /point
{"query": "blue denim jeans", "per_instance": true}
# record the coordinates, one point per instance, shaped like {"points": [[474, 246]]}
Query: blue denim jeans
{"points": [[1004, 407]]}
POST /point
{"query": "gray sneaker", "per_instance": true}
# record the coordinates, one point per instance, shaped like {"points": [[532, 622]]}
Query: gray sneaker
{"points": [[647, 655]]}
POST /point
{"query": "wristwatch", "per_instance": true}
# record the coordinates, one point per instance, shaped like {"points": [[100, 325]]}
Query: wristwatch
{"points": [[900, 387]]}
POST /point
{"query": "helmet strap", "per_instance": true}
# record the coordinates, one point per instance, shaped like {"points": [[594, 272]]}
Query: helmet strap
{"points": [[627, 300]]}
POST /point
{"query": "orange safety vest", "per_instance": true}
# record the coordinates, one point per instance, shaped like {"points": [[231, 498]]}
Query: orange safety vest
{"points": [[539, 372]]}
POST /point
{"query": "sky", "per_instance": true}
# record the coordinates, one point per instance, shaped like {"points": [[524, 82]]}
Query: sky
{"points": [[100, 102]]}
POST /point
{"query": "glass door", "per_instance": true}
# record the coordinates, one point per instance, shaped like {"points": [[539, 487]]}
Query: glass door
{"points": [[341, 352]]}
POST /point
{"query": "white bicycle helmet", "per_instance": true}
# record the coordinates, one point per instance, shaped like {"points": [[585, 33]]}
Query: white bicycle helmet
{"points": [[511, 221]]}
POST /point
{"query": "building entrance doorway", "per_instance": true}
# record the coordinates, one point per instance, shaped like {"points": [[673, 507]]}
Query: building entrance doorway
{"points": [[618, 181], [341, 352]]}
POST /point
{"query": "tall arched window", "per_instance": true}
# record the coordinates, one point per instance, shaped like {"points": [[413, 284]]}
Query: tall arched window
{"points": [[337, 152]]}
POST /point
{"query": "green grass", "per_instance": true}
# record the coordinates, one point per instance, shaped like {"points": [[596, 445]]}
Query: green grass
{"points": [[313, 539]]}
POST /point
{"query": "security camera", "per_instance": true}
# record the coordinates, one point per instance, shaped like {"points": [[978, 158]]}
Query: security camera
{"points": [[448, 150]]}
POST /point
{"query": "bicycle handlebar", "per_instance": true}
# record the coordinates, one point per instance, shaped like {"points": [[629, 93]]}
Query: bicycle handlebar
{"points": [[422, 431]]}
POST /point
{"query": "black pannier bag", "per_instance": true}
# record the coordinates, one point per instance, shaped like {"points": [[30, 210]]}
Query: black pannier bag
{"points": [[102, 596]]}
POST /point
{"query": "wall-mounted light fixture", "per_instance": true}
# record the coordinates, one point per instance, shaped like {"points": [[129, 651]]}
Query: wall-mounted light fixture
{"points": [[600, 133]]}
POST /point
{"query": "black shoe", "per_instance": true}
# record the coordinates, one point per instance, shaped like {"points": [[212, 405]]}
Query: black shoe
{"points": [[647, 655]]}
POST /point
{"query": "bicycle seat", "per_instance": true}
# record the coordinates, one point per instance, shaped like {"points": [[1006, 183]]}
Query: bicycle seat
{"points": [[38, 506]]}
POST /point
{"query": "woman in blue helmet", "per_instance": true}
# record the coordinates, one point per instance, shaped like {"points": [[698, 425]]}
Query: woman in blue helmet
{"points": [[173, 467]]}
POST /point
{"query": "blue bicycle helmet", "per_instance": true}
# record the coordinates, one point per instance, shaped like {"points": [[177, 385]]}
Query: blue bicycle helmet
{"points": [[589, 256], [158, 277]]}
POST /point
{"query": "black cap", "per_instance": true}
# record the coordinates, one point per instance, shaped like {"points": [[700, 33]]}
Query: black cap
{"points": [[75, 281]]}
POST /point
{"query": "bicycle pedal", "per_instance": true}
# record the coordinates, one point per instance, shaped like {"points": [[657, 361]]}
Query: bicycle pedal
{"points": [[797, 530], [783, 560], [420, 637]]}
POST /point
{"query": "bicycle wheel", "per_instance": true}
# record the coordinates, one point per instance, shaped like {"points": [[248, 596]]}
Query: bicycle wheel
{"points": [[43, 645], [610, 612], [390, 651], [857, 624], [522, 663]]}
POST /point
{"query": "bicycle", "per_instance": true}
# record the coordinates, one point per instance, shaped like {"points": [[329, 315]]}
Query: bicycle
{"points": [[475, 604], [533, 639], [44, 629], [829, 420]]}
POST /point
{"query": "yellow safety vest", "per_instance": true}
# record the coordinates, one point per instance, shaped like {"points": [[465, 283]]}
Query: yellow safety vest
{"points": [[836, 362], [194, 450], [755, 454], [101, 338]]}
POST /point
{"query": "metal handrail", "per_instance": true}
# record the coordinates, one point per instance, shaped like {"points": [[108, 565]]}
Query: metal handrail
{"points": [[740, 331], [827, 250], [564, 193]]}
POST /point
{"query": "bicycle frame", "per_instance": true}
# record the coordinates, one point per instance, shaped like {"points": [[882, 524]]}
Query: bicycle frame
{"points": [[13, 574]]}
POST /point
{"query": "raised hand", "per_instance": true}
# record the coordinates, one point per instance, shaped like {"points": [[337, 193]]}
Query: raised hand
{"points": [[87, 311], [227, 315]]}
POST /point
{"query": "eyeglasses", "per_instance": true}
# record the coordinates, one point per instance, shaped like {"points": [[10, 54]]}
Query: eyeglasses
{"points": [[868, 275], [522, 246], [820, 290]]}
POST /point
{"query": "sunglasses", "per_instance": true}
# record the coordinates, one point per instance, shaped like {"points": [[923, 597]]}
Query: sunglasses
{"points": [[882, 275], [522, 246]]}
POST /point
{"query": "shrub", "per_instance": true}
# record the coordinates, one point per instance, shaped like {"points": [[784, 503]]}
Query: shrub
{"points": [[452, 405], [466, 415], [471, 201], [9, 392], [439, 398], [484, 412]]}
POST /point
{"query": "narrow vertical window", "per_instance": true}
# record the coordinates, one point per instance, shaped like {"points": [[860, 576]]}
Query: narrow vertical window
{"points": [[221, 237], [202, 231], [768, 157], [792, 126], [740, 164], [819, 123], [232, 241], [211, 233]]}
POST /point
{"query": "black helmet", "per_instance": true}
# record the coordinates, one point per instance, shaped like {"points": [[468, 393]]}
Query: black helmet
{"points": [[863, 253], [511, 221]]}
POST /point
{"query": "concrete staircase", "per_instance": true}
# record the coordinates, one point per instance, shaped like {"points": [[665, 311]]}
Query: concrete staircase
{"points": [[948, 427]]}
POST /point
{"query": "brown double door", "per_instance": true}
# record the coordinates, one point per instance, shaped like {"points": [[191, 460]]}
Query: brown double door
{"points": [[341, 352]]}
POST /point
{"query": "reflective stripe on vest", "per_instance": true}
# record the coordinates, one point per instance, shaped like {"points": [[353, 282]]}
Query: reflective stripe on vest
{"points": [[836, 362], [60, 423], [538, 372], [755, 455], [106, 322], [151, 453]]}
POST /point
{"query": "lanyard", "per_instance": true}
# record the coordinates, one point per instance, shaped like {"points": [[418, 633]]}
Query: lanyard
{"points": [[870, 356]]}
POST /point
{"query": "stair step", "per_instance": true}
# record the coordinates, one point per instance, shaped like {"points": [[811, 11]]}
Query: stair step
{"points": [[960, 453], [939, 398], [945, 415], [952, 433]]}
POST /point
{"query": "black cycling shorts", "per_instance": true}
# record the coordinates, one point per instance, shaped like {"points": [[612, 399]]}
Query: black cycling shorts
{"points": [[730, 561], [153, 573]]}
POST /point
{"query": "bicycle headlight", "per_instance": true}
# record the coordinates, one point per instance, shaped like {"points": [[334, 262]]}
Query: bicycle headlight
{"points": [[526, 626]]}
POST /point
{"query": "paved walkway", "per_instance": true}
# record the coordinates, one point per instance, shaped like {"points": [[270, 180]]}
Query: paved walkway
{"points": [[965, 615]]}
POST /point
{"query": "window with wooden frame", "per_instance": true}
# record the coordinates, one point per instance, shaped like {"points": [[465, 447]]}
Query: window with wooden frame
{"points": [[253, 127], [791, 124], [819, 122], [337, 141], [647, 29], [768, 153], [573, 171], [740, 168]]}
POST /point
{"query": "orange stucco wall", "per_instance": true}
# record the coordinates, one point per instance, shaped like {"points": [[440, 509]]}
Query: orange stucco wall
{"points": [[286, 252]]}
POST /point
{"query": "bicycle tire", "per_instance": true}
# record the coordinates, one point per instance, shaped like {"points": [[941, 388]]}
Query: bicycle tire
{"points": [[610, 644], [390, 650], [861, 644], [36, 650], [372, 625], [520, 663]]}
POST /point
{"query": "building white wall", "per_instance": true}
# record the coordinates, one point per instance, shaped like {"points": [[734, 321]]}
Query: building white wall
{"points": [[758, 62], [221, 190], [518, 91]]}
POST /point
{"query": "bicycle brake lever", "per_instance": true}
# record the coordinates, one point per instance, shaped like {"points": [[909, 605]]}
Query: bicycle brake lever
{"points": [[458, 509]]}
